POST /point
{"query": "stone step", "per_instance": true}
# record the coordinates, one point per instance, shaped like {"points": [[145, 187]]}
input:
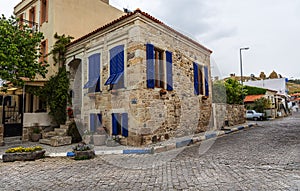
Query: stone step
{"points": [[64, 127], [57, 141], [60, 141], [11, 139], [47, 135], [45, 141], [60, 131], [16, 141]]}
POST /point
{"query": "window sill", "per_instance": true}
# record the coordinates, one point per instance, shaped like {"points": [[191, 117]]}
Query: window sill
{"points": [[93, 94]]}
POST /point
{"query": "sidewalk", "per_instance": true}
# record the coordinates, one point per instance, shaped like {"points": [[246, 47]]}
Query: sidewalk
{"points": [[170, 144]]}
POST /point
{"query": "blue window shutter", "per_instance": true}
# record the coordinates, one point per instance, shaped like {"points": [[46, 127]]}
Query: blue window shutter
{"points": [[92, 122], [114, 124], [169, 71], [196, 82], [125, 124], [150, 66], [99, 120], [94, 66], [94, 72], [116, 66], [206, 81]]}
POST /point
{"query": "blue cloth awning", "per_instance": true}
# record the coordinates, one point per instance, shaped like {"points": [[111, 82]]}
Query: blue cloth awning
{"points": [[114, 78], [91, 83]]}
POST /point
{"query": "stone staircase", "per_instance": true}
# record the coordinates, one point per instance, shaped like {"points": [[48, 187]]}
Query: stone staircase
{"points": [[13, 140], [56, 138]]}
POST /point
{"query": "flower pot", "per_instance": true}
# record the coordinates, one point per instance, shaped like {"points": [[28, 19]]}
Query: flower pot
{"points": [[23, 156], [82, 155], [35, 137]]}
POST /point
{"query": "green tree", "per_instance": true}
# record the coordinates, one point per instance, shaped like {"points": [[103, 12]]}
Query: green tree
{"points": [[255, 90], [261, 104], [19, 52], [56, 90], [234, 91]]}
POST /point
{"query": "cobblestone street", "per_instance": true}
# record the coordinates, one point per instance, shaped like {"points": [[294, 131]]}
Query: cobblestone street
{"points": [[266, 157]]}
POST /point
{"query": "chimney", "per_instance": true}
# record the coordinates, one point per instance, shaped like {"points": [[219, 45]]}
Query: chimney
{"points": [[105, 1]]}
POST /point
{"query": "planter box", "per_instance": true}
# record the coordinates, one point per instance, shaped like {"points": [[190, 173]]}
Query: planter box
{"points": [[25, 156], [81, 155]]}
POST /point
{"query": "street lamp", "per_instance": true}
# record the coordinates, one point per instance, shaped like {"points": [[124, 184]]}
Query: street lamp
{"points": [[241, 62]]}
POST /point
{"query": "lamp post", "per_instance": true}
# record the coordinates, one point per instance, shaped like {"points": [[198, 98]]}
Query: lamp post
{"points": [[241, 62]]}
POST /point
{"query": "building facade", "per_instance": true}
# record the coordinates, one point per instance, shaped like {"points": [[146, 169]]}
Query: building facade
{"points": [[24, 110], [139, 81], [62, 17]]}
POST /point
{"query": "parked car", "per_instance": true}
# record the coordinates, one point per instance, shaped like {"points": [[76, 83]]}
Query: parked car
{"points": [[253, 115]]}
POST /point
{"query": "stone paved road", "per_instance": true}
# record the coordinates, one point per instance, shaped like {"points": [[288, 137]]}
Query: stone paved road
{"points": [[263, 158]]}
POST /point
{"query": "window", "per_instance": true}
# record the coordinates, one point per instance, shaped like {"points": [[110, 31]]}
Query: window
{"points": [[32, 17], [159, 68], [120, 124], [21, 20], [95, 121], [201, 88], [44, 11], [44, 51], [116, 68], [93, 84]]}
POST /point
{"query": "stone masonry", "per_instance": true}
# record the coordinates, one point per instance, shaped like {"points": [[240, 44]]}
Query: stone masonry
{"points": [[1, 135], [153, 114]]}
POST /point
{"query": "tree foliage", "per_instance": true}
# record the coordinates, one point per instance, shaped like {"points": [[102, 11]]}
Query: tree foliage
{"points": [[19, 52], [59, 49], [235, 92], [56, 93], [261, 104], [255, 90], [230, 91]]}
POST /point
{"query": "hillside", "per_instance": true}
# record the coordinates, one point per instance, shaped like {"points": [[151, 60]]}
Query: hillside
{"points": [[293, 88]]}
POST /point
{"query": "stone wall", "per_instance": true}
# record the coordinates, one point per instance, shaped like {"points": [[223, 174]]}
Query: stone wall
{"points": [[154, 114], [228, 115], [1, 135]]}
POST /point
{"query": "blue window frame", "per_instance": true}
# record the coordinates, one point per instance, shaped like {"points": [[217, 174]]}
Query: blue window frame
{"points": [[93, 84], [95, 121], [116, 72], [201, 81], [120, 124], [157, 70]]}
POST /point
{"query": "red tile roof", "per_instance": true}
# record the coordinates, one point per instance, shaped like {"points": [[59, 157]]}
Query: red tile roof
{"points": [[252, 98], [295, 94], [137, 11]]}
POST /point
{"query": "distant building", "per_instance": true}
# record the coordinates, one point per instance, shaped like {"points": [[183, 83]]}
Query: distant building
{"points": [[278, 84]]}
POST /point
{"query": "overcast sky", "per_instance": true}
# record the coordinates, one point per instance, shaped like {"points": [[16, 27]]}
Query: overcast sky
{"points": [[270, 28]]}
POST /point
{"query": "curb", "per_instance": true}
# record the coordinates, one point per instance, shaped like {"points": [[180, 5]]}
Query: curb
{"points": [[162, 148]]}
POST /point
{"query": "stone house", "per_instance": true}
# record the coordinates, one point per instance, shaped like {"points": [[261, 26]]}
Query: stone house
{"points": [[139, 81], [49, 17]]}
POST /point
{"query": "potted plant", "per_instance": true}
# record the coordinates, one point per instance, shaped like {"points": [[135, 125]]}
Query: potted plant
{"points": [[36, 134], [83, 151], [23, 154]]}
